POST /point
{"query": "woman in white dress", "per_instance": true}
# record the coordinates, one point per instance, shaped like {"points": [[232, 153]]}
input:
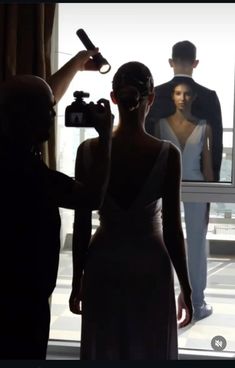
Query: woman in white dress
{"points": [[193, 137], [123, 273]]}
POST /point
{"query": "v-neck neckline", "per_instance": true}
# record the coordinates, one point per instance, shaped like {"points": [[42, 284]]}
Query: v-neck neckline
{"points": [[142, 190], [177, 139]]}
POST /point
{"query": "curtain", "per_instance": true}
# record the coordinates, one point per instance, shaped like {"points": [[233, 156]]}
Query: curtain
{"points": [[25, 48]]}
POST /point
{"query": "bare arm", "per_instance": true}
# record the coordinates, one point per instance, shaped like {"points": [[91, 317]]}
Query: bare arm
{"points": [[88, 192], [60, 80], [207, 163], [173, 232], [81, 238]]}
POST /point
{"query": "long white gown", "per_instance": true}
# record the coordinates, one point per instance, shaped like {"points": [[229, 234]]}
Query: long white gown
{"points": [[196, 213]]}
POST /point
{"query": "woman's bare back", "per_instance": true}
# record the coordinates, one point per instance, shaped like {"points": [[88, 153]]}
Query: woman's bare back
{"points": [[131, 164]]}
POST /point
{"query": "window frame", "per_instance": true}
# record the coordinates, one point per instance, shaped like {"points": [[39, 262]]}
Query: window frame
{"points": [[213, 192], [191, 192]]}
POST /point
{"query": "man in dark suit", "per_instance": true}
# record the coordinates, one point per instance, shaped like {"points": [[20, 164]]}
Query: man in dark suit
{"points": [[205, 106]]}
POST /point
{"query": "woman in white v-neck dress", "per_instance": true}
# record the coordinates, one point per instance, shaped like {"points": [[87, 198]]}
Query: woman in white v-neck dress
{"points": [[192, 136], [128, 300]]}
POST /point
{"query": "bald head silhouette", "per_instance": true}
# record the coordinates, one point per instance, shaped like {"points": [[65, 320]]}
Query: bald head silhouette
{"points": [[26, 109]]}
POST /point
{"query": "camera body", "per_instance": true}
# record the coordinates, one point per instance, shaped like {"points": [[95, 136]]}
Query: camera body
{"points": [[78, 114]]}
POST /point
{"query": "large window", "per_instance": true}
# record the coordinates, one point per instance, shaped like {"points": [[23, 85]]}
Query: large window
{"points": [[146, 32]]}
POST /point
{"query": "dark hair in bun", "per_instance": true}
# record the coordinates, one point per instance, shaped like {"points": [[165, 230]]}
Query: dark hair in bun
{"points": [[131, 83]]}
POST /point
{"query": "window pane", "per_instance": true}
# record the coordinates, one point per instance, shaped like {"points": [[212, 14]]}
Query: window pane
{"points": [[146, 32]]}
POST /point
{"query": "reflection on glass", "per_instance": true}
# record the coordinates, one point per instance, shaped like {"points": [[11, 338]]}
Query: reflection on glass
{"points": [[191, 135], [193, 138], [205, 105], [221, 231]]}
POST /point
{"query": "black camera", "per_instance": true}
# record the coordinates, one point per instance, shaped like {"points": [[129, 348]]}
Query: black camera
{"points": [[78, 114]]}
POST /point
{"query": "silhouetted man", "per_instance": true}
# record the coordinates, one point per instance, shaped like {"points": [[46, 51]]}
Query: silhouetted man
{"points": [[30, 197]]}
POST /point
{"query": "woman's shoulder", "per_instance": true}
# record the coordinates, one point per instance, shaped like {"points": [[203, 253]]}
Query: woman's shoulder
{"points": [[151, 143], [204, 125], [87, 145], [165, 146], [173, 151], [163, 142], [202, 121]]}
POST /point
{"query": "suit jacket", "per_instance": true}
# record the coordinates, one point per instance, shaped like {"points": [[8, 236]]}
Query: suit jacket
{"points": [[205, 106]]}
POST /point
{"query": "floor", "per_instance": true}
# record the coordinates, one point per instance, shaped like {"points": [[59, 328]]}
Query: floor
{"points": [[220, 293]]}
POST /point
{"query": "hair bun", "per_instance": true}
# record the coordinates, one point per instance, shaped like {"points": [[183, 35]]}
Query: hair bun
{"points": [[129, 97]]}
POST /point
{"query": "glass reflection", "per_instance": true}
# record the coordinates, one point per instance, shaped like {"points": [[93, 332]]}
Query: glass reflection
{"points": [[193, 136], [186, 117]]}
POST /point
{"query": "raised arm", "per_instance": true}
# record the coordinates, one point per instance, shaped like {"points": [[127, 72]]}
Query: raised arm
{"points": [[88, 192], [60, 80], [173, 233]]}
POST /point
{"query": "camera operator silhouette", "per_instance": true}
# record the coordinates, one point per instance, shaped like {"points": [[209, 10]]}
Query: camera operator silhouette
{"points": [[30, 197]]}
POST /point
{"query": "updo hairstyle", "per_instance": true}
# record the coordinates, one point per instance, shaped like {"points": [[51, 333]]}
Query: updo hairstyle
{"points": [[132, 82]]}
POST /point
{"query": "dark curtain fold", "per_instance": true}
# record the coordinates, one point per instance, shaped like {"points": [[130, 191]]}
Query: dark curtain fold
{"points": [[25, 48]]}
